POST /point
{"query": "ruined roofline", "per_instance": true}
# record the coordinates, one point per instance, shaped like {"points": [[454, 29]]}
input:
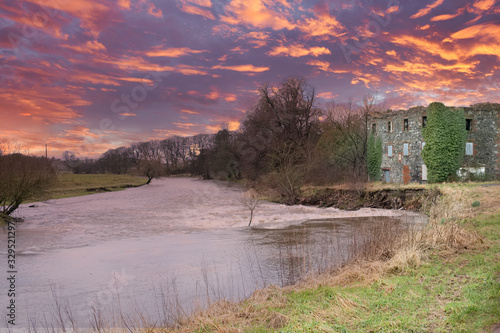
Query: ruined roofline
{"points": [[474, 107]]}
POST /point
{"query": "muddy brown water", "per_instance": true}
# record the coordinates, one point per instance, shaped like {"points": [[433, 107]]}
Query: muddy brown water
{"points": [[177, 243]]}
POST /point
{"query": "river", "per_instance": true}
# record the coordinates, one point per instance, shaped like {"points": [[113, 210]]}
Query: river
{"points": [[162, 250]]}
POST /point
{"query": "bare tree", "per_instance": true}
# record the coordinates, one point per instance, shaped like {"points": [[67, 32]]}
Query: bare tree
{"points": [[150, 168], [250, 199], [285, 119], [8, 146], [22, 177], [345, 136]]}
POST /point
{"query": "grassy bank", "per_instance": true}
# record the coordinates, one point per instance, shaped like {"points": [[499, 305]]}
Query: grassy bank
{"points": [[440, 279], [71, 185]]}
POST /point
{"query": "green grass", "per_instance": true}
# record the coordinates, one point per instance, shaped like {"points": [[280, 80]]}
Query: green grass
{"points": [[71, 185]]}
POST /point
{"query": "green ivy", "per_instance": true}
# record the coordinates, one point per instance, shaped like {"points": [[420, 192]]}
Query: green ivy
{"points": [[374, 157], [444, 137]]}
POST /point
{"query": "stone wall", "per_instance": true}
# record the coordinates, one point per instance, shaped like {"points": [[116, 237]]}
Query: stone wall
{"points": [[407, 129]]}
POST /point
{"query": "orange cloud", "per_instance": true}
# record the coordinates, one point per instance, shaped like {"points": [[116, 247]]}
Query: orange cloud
{"points": [[298, 51], [172, 52], [484, 4], [327, 95], [129, 63], [427, 69], [258, 38], [79, 131], [486, 39], [88, 11], [152, 10], [242, 68], [215, 94], [91, 47], [425, 45], [190, 9], [427, 9], [325, 66], [424, 27], [44, 105], [50, 27], [124, 4], [255, 13], [238, 49], [322, 25], [96, 78], [444, 17], [392, 9], [189, 111], [163, 133], [488, 32]]}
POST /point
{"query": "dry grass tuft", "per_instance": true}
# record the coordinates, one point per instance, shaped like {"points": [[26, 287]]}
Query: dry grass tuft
{"points": [[277, 320], [404, 259], [359, 272], [448, 227], [346, 304], [272, 294]]}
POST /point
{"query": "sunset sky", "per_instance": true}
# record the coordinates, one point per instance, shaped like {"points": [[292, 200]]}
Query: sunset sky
{"points": [[89, 75]]}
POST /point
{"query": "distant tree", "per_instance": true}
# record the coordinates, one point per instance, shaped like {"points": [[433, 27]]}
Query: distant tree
{"points": [[150, 168], [70, 159], [374, 157], [200, 164], [22, 177], [223, 157], [148, 158], [8, 146], [444, 137], [117, 161]]}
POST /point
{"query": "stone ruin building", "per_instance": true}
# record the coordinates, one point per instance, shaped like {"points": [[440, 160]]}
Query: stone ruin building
{"points": [[402, 142]]}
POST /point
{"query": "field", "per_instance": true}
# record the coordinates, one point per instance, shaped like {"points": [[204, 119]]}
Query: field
{"points": [[72, 185]]}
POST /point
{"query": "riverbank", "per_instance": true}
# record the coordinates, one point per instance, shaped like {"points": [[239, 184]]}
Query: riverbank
{"points": [[447, 280], [74, 185]]}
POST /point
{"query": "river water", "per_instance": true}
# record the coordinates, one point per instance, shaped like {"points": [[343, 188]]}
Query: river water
{"points": [[162, 250]]}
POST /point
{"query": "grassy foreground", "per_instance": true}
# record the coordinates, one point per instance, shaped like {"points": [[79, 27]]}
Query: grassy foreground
{"points": [[445, 279], [71, 185]]}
